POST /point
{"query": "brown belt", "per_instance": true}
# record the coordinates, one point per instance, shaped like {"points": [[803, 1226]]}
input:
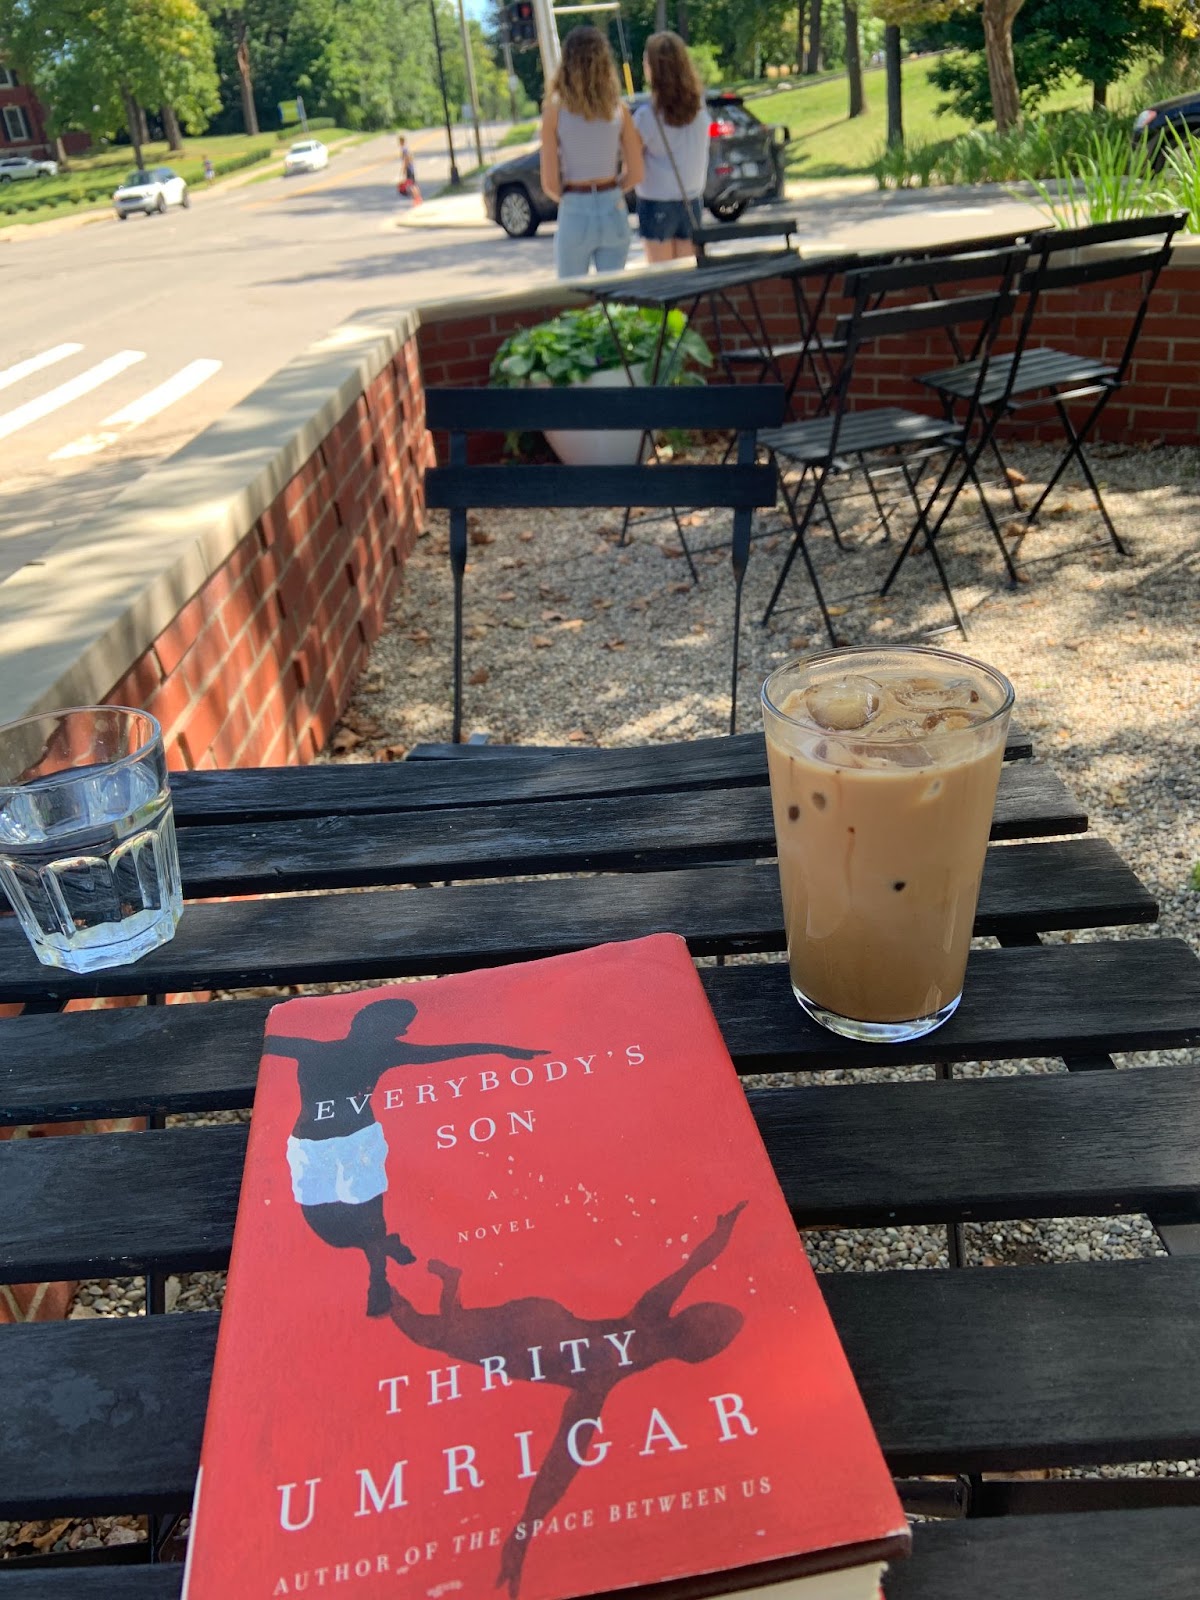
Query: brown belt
{"points": [[598, 187]]}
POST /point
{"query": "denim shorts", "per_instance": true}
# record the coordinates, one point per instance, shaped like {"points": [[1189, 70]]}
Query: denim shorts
{"points": [[667, 219]]}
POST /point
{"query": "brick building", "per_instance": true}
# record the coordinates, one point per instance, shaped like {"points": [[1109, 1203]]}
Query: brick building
{"points": [[23, 121]]}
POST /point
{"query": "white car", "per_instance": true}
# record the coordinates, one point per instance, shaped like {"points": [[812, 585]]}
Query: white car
{"points": [[15, 167], [150, 190], [308, 155]]}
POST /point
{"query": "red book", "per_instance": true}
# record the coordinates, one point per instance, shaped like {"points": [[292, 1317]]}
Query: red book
{"points": [[516, 1307]]}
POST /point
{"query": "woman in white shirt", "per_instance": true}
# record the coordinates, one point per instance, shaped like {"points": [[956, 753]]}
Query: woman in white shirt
{"points": [[590, 156], [673, 125]]}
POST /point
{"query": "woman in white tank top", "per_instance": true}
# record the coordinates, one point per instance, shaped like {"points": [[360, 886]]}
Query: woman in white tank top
{"points": [[673, 126], [591, 155]]}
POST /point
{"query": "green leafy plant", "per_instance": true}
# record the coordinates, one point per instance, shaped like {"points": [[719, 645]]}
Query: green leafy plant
{"points": [[1114, 180], [570, 347], [1182, 172]]}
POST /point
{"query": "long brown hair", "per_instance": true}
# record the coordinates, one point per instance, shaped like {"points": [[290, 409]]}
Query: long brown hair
{"points": [[674, 81], [586, 81]]}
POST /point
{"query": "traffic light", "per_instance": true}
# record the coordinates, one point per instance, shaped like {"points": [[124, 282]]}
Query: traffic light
{"points": [[522, 27]]}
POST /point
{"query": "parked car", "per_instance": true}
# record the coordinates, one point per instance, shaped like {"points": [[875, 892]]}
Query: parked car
{"points": [[1156, 124], [745, 164], [13, 168], [308, 155], [150, 190]]}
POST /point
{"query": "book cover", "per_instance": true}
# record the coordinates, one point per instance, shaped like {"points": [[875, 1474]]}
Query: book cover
{"points": [[516, 1307]]}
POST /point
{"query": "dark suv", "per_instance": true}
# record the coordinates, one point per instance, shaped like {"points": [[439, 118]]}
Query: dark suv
{"points": [[1157, 123], [745, 164]]}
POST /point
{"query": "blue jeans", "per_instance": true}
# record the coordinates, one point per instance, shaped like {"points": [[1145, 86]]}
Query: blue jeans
{"points": [[593, 230]]}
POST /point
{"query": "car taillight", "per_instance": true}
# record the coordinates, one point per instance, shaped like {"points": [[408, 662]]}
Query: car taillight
{"points": [[720, 129]]}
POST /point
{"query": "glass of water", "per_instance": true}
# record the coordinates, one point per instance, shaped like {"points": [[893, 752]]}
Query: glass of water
{"points": [[88, 859]]}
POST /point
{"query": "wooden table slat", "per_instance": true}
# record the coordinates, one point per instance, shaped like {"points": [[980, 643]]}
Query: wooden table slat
{"points": [[384, 933], [1007, 1369], [1082, 1144], [632, 832], [340, 789], [1129, 994], [1150, 1554]]}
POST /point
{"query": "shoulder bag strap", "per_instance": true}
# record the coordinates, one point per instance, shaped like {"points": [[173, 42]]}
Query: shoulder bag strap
{"points": [[683, 194]]}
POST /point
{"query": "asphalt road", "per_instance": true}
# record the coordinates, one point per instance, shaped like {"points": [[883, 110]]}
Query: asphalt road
{"points": [[119, 341]]}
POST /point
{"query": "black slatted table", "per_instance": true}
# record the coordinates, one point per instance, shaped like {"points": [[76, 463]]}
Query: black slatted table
{"points": [[974, 1378]]}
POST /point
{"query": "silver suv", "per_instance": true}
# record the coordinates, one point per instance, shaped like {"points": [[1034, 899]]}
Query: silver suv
{"points": [[14, 167]]}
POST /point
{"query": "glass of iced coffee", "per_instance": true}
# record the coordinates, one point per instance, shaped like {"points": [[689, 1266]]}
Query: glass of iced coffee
{"points": [[884, 764]]}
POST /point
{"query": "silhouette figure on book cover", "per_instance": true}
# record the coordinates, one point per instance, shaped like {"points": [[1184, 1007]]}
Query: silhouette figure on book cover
{"points": [[541, 1340], [337, 1152]]}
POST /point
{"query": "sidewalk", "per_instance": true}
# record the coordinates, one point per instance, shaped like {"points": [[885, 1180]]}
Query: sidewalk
{"points": [[459, 208]]}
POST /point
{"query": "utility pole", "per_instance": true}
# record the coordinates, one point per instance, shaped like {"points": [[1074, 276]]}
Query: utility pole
{"points": [[509, 70], [455, 180], [547, 32], [472, 91]]}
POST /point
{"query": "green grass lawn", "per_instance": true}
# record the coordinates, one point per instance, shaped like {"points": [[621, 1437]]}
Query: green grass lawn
{"points": [[827, 144], [90, 180], [520, 133]]}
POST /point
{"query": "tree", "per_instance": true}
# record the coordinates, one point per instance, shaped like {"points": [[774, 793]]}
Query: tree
{"points": [[1053, 41], [230, 17], [813, 63], [895, 102], [101, 62], [998, 19], [853, 59]]}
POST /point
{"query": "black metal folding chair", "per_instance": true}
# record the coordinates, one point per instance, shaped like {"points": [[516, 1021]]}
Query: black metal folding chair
{"points": [[740, 486], [824, 444], [1040, 375], [780, 229]]}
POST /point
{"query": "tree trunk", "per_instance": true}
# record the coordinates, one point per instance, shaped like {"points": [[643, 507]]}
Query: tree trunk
{"points": [[681, 20], [60, 154], [853, 59], [133, 120], [813, 64], [998, 18], [143, 125], [1099, 96], [242, 52], [171, 129], [895, 118], [660, 16], [801, 23]]}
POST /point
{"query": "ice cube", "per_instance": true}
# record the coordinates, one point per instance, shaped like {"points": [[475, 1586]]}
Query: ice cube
{"points": [[897, 730], [934, 694], [844, 704]]}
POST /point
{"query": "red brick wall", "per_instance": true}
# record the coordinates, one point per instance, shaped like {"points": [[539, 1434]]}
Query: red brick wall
{"points": [[1161, 399], [256, 667]]}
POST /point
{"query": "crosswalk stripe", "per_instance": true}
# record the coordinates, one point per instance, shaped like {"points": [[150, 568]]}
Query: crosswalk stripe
{"points": [[23, 369], [140, 410], [35, 410]]}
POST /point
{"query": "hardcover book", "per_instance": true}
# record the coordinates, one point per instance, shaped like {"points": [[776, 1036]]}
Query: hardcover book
{"points": [[516, 1307]]}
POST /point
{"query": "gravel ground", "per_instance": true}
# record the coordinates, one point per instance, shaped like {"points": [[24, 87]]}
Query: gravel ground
{"points": [[573, 638]]}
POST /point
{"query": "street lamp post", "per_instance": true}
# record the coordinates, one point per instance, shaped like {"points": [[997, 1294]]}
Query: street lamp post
{"points": [[455, 180]]}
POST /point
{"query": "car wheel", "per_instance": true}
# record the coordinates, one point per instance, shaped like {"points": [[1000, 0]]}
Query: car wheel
{"points": [[515, 213], [727, 210], [122, 216], [186, 198], [161, 204]]}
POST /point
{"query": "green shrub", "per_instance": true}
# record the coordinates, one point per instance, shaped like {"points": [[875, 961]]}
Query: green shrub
{"points": [[1182, 172], [1113, 179], [570, 347]]}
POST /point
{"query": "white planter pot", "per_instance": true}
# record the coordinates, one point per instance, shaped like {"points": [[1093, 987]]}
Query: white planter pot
{"points": [[611, 447]]}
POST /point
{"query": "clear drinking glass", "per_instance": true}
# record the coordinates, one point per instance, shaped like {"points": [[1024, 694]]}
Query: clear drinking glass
{"points": [[884, 764], [88, 858]]}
